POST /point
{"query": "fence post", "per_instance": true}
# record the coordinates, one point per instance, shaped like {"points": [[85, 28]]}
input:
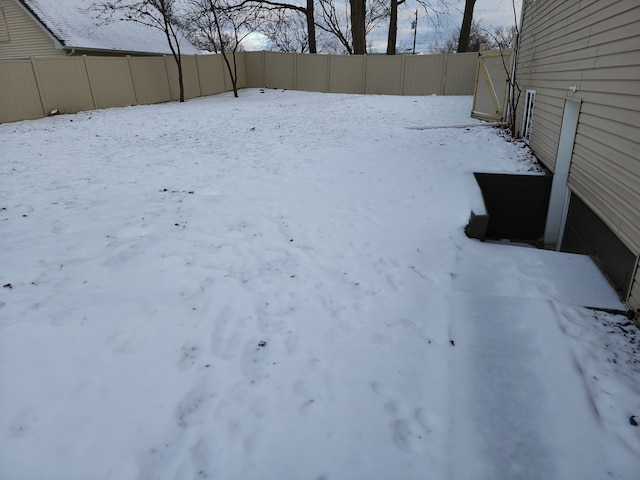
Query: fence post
{"points": [[35, 76], [295, 70], [198, 73], [364, 74], [443, 81], [404, 65], [166, 69], [228, 81], [39, 82], [195, 60], [133, 80], [329, 57], [86, 71]]}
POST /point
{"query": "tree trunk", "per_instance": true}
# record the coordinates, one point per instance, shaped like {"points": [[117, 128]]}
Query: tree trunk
{"points": [[465, 29], [393, 28], [311, 26], [357, 27], [180, 78]]}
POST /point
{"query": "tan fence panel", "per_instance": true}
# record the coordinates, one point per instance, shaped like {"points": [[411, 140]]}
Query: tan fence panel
{"points": [[243, 78], [255, 69], [241, 71], [492, 86], [312, 73], [64, 84], [111, 82], [460, 73], [150, 79], [19, 95], [384, 75], [83, 83], [423, 74], [211, 72], [190, 78], [280, 70], [346, 74]]}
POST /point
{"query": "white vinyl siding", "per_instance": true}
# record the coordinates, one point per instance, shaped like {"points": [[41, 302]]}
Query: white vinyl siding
{"points": [[593, 46]]}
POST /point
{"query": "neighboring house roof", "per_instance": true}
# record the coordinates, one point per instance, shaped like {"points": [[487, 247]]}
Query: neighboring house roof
{"points": [[73, 25]]}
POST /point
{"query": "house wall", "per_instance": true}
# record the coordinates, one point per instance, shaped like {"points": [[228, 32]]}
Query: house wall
{"points": [[25, 37], [594, 46]]}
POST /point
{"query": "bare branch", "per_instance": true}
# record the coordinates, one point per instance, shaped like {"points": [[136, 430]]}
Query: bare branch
{"points": [[159, 14]]}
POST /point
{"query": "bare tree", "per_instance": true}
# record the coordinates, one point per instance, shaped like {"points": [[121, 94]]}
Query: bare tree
{"points": [[504, 39], [465, 29], [392, 37], [307, 11], [478, 36], [287, 31], [377, 11], [225, 26], [202, 30], [336, 20], [435, 11], [501, 37], [358, 35], [159, 14]]}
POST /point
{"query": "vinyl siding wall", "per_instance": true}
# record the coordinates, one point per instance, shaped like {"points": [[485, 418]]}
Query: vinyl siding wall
{"points": [[593, 45], [26, 38]]}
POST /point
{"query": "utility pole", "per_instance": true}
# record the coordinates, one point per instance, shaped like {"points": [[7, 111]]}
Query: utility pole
{"points": [[414, 27]]}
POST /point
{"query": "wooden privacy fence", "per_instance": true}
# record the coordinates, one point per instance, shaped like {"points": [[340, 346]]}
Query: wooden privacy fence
{"points": [[34, 87]]}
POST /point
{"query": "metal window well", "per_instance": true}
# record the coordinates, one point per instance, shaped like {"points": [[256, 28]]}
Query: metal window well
{"points": [[587, 234], [515, 207]]}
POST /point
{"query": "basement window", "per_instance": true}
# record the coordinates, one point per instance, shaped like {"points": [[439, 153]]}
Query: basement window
{"points": [[528, 115]]}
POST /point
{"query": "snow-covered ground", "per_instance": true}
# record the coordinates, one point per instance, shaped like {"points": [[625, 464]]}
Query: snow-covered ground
{"points": [[279, 287]]}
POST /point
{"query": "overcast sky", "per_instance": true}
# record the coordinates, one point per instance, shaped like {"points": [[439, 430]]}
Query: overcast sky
{"points": [[489, 12]]}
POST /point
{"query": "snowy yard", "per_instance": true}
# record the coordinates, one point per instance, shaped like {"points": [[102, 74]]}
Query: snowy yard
{"points": [[279, 287]]}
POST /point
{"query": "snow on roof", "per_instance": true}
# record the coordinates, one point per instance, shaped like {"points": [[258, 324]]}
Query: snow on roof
{"points": [[75, 26]]}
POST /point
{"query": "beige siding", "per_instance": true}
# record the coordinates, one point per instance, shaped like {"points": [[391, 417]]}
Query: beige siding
{"points": [[26, 38], [4, 28], [595, 46]]}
